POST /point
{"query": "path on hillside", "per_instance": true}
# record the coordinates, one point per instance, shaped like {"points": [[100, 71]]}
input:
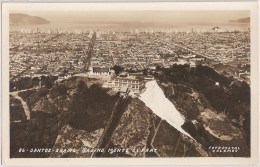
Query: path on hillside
{"points": [[117, 113], [24, 104]]}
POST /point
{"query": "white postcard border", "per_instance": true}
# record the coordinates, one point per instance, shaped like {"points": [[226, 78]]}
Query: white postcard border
{"points": [[252, 6]]}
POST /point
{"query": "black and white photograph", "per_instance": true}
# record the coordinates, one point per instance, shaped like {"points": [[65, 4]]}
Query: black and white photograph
{"points": [[129, 83]]}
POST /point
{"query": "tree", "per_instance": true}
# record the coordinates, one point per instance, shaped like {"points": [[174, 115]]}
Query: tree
{"points": [[145, 71], [46, 80], [118, 69]]}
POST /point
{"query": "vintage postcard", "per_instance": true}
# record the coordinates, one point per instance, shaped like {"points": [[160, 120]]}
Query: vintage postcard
{"points": [[130, 83]]}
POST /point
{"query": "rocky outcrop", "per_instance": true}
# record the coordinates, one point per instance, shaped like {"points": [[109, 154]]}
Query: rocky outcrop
{"points": [[75, 143], [133, 129]]}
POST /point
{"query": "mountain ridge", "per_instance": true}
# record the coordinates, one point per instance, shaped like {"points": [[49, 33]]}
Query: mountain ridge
{"points": [[24, 19], [241, 20]]}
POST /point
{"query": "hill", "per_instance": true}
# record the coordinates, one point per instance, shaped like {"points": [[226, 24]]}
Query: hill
{"points": [[216, 108], [242, 20], [74, 113], [24, 19]]}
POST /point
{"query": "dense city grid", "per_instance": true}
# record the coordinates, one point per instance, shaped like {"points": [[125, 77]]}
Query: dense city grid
{"points": [[37, 52]]}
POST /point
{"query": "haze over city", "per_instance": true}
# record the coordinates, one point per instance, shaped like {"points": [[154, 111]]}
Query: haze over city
{"points": [[122, 20]]}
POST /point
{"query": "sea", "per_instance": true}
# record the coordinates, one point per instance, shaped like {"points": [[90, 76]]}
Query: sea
{"points": [[117, 27]]}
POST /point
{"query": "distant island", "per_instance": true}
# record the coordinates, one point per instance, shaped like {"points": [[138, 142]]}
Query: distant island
{"points": [[24, 19], [242, 20]]}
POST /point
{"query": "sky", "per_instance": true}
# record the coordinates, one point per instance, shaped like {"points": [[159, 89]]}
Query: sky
{"points": [[141, 17]]}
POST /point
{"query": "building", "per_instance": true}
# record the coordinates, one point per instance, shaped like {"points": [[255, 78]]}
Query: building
{"points": [[134, 83], [124, 90], [104, 71], [149, 77], [110, 84]]}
